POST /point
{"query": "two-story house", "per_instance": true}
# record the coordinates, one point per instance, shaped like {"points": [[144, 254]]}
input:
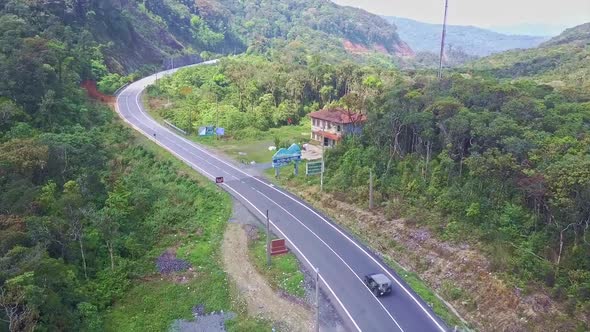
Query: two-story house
{"points": [[329, 126]]}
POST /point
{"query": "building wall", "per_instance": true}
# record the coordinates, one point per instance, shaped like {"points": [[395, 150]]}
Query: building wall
{"points": [[333, 128], [330, 127]]}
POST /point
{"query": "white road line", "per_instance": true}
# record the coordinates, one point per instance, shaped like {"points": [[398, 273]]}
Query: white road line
{"points": [[162, 145], [370, 256]]}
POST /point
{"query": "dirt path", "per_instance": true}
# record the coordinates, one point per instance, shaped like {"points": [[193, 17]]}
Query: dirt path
{"points": [[261, 299]]}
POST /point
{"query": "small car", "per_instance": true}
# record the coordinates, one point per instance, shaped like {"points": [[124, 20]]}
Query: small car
{"points": [[378, 283]]}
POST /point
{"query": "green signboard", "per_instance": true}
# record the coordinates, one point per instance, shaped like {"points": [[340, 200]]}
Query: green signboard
{"points": [[313, 168]]}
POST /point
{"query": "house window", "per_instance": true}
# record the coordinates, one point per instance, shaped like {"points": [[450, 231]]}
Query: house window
{"points": [[338, 128]]}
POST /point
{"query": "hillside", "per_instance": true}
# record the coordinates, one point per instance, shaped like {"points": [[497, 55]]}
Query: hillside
{"points": [[562, 61], [530, 29], [579, 35], [473, 41], [318, 25], [136, 32], [123, 37]]}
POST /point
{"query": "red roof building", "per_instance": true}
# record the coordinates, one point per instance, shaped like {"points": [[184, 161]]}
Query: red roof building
{"points": [[329, 126]]}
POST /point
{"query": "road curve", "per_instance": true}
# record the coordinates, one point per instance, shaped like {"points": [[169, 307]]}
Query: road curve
{"points": [[313, 237]]}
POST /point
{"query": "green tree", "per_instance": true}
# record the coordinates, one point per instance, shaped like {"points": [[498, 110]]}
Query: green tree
{"points": [[75, 210]]}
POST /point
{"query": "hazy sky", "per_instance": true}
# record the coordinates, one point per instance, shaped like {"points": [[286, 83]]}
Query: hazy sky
{"points": [[483, 13]]}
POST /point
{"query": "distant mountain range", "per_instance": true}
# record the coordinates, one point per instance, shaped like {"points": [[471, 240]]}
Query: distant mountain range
{"points": [[530, 29], [562, 61], [425, 37]]}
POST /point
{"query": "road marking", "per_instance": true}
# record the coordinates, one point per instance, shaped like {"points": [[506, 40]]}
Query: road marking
{"points": [[158, 143]]}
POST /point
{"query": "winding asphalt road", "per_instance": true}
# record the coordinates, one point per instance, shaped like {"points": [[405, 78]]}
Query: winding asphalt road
{"points": [[313, 237]]}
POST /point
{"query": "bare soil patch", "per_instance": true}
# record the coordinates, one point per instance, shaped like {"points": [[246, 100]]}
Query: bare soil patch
{"points": [[156, 103], [261, 299]]}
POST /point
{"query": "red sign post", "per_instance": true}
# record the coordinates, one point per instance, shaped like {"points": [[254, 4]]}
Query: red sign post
{"points": [[278, 247]]}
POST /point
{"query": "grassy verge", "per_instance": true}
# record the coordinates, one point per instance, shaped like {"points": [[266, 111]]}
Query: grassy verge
{"points": [[283, 273], [248, 145], [199, 212], [255, 147]]}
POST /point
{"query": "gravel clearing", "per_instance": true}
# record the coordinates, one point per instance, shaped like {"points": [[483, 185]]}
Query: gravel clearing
{"points": [[168, 263], [214, 322]]}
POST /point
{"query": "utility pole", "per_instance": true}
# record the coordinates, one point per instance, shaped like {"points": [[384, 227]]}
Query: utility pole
{"points": [[370, 189], [267, 239], [216, 114], [442, 42], [317, 299], [322, 172]]}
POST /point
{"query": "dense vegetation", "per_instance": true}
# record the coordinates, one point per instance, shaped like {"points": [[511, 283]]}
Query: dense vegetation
{"points": [[563, 62], [504, 164], [248, 94], [133, 33], [425, 37]]}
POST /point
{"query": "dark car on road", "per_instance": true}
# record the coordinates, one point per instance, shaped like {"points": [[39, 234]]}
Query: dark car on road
{"points": [[378, 283]]}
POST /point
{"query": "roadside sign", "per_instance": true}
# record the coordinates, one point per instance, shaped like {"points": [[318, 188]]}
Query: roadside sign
{"points": [[207, 131], [284, 161], [278, 247], [219, 179], [313, 168], [284, 157]]}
